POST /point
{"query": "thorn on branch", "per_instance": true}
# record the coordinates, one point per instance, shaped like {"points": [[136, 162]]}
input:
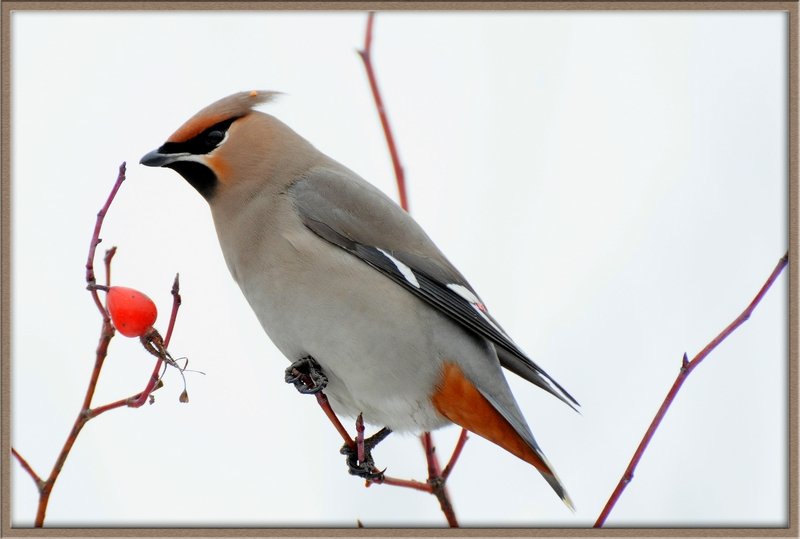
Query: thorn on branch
{"points": [[628, 478], [107, 261], [176, 303]]}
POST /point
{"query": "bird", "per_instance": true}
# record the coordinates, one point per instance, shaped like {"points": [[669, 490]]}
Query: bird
{"points": [[349, 287]]}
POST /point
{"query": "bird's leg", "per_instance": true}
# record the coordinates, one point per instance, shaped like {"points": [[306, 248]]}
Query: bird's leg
{"points": [[306, 375], [359, 459]]}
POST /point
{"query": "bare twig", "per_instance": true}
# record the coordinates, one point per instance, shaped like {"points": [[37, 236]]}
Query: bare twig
{"points": [[437, 481], [106, 334], [406, 483], [176, 303], [456, 453], [27, 468], [686, 368], [107, 261], [366, 56], [90, 278], [360, 451]]}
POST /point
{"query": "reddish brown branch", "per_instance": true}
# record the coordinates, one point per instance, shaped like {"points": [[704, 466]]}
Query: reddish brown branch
{"points": [[27, 467], [176, 303], [134, 401], [434, 469], [360, 451], [686, 368], [437, 481], [462, 439], [90, 277], [407, 483], [366, 56], [107, 261], [106, 334]]}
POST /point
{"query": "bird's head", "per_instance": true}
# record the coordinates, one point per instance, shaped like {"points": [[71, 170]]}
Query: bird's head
{"points": [[228, 144]]}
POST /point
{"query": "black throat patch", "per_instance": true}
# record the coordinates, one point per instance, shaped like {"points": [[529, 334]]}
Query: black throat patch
{"points": [[198, 175]]}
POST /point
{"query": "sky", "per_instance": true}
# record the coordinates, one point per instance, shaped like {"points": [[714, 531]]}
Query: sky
{"points": [[613, 184]]}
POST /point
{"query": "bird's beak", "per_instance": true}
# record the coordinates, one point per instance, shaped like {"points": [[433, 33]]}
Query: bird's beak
{"points": [[157, 159]]}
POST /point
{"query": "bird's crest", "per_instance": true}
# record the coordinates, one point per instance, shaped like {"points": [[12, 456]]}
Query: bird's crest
{"points": [[227, 108]]}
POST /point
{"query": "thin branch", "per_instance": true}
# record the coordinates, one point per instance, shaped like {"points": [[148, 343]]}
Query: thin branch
{"points": [[176, 303], [27, 467], [686, 368], [360, 451], [366, 56], [107, 261], [134, 401], [106, 334], [90, 278], [456, 453], [434, 469], [437, 481], [406, 483]]}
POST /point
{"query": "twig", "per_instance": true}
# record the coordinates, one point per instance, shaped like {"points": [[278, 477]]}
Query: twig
{"points": [[456, 453], [686, 368], [106, 334], [107, 261], [407, 483], [360, 451], [176, 303], [27, 468], [366, 56], [90, 278], [437, 480]]}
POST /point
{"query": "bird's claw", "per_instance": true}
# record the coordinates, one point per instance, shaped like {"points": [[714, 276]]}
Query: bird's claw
{"points": [[366, 468], [306, 375]]}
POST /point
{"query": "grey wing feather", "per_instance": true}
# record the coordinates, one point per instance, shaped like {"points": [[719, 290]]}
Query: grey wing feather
{"points": [[348, 212]]}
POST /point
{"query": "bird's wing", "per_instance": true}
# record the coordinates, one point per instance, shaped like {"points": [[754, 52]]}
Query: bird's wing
{"points": [[352, 214]]}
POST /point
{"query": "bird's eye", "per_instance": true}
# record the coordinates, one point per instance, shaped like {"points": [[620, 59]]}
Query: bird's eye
{"points": [[214, 137]]}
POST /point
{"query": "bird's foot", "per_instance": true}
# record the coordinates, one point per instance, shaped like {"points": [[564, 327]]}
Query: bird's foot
{"points": [[364, 467], [306, 375]]}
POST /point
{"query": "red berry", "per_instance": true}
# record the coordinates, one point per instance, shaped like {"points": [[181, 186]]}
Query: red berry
{"points": [[131, 311]]}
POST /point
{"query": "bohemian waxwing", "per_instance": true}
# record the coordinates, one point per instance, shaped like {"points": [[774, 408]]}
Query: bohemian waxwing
{"points": [[337, 272]]}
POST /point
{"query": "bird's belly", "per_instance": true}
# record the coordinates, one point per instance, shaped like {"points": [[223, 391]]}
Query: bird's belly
{"points": [[374, 340]]}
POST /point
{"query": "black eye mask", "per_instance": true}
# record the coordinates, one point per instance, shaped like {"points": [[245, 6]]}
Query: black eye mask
{"points": [[200, 144]]}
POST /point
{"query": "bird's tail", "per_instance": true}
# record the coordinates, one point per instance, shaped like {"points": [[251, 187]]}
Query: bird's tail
{"points": [[460, 401]]}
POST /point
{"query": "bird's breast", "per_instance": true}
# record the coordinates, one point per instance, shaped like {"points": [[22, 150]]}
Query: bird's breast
{"points": [[377, 343]]}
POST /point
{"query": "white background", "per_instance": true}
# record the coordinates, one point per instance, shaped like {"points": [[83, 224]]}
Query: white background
{"points": [[613, 184]]}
